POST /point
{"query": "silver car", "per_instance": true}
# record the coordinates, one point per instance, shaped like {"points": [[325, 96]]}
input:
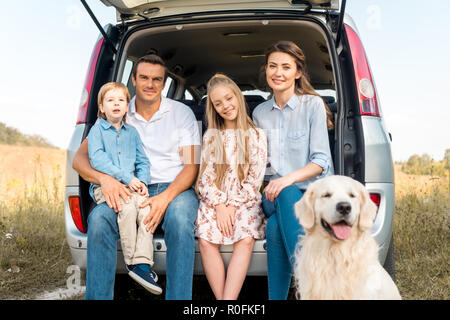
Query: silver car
{"points": [[200, 38]]}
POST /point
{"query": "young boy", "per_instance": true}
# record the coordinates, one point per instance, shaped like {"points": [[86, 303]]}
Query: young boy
{"points": [[115, 148]]}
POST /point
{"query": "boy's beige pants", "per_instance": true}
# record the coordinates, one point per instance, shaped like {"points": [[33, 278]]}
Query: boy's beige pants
{"points": [[137, 243]]}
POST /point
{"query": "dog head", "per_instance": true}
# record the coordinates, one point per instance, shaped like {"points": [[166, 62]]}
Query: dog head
{"points": [[337, 205]]}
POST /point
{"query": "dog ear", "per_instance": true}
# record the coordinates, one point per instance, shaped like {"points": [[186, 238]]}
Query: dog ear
{"points": [[368, 210], [304, 210]]}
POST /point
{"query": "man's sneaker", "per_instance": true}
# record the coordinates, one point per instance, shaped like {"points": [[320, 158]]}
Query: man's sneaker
{"points": [[145, 279]]}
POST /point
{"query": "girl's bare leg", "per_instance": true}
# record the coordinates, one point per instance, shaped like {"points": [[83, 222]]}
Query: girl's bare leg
{"points": [[213, 266], [238, 267]]}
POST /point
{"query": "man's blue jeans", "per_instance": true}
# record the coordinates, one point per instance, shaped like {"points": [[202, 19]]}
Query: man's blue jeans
{"points": [[178, 227], [282, 234]]}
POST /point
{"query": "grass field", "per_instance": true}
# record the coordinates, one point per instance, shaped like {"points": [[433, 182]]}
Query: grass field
{"points": [[422, 236], [34, 255]]}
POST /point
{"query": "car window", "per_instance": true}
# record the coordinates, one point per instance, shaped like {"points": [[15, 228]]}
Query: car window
{"points": [[187, 95], [327, 92], [126, 76], [126, 80], [263, 94], [167, 86]]}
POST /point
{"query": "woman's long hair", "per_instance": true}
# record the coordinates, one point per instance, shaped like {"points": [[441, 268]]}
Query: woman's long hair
{"points": [[215, 123], [302, 85]]}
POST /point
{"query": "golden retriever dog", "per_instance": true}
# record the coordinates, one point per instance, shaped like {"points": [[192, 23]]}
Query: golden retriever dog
{"points": [[338, 257]]}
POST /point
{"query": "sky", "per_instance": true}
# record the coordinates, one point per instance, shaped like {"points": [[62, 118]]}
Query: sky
{"points": [[45, 53]]}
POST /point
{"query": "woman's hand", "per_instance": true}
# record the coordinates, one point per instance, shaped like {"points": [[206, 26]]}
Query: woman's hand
{"points": [[225, 219], [274, 187]]}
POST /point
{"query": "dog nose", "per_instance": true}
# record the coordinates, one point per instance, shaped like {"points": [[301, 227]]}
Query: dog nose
{"points": [[343, 208]]}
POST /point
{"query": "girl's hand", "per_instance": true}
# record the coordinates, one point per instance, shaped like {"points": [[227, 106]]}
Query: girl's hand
{"points": [[274, 187], [225, 219]]}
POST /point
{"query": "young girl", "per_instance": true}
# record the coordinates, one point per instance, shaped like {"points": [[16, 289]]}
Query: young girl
{"points": [[231, 173], [296, 121]]}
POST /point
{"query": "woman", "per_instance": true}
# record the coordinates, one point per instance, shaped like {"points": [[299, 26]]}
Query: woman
{"points": [[234, 155], [295, 120]]}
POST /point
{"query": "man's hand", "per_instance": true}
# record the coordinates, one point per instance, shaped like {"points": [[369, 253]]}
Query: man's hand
{"points": [[158, 205], [225, 219], [113, 190]]}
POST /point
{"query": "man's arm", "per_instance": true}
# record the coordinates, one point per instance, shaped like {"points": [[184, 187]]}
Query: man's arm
{"points": [[184, 180], [82, 165], [112, 189]]}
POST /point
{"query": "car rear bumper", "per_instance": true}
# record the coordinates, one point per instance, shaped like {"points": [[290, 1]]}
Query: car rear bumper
{"points": [[382, 227]]}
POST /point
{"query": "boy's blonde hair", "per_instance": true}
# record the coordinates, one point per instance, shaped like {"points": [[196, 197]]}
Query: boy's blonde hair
{"points": [[102, 92]]}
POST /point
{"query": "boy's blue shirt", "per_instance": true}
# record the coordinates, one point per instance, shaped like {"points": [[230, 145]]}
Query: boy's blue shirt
{"points": [[118, 154]]}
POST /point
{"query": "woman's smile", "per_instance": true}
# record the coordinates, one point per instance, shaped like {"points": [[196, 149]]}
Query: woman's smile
{"points": [[281, 72]]}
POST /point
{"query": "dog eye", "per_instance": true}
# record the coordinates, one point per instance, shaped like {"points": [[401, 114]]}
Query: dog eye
{"points": [[326, 195], [351, 195]]}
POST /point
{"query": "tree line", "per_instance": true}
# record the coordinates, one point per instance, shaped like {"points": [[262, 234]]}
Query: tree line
{"points": [[426, 165], [12, 136]]}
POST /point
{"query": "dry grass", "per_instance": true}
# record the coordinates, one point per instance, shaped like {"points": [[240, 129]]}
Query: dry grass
{"points": [[34, 253], [422, 236], [32, 235]]}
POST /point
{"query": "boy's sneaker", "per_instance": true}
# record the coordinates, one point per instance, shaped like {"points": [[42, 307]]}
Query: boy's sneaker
{"points": [[131, 267], [145, 279]]}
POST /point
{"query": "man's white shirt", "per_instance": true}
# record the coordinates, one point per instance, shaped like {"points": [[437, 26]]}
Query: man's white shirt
{"points": [[173, 126]]}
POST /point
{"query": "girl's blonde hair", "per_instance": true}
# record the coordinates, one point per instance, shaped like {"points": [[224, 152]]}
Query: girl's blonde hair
{"points": [[102, 92], [215, 123]]}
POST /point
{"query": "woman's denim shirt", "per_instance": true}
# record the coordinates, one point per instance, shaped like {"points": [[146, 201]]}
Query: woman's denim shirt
{"points": [[297, 135]]}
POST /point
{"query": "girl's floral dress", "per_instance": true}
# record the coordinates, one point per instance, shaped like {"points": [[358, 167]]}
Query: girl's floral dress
{"points": [[245, 196]]}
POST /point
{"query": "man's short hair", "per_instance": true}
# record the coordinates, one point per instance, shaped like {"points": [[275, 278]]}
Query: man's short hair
{"points": [[153, 59]]}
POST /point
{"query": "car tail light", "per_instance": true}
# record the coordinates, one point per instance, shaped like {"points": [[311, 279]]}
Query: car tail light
{"points": [[376, 198], [366, 89], [75, 211], [82, 111]]}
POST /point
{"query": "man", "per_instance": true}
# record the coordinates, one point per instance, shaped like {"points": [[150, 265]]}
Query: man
{"points": [[171, 139]]}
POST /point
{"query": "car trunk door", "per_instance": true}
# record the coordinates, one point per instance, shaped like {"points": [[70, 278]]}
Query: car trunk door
{"points": [[141, 9], [100, 71]]}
